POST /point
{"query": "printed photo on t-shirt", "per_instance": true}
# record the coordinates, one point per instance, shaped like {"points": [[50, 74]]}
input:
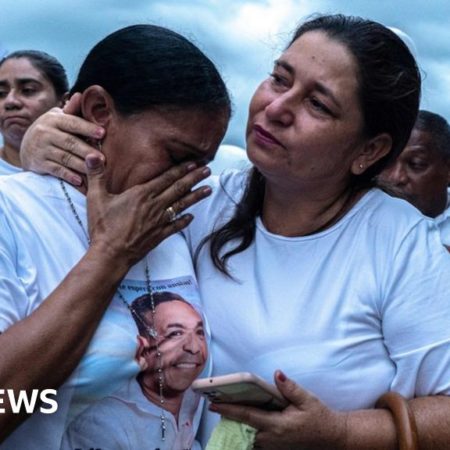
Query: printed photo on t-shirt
{"points": [[157, 340]]}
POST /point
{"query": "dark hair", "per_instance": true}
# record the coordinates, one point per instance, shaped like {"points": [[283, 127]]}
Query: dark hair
{"points": [[438, 128], [389, 79], [48, 65], [143, 304], [389, 94], [142, 66]]}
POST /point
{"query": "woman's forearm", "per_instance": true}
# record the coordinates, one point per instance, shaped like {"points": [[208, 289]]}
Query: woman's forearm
{"points": [[42, 350], [374, 429]]}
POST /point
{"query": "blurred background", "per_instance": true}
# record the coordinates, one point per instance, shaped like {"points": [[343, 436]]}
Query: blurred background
{"points": [[241, 37]]}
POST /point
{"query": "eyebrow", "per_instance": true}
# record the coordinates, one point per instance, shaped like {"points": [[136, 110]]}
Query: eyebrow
{"points": [[180, 325], [286, 66], [21, 81], [318, 86], [417, 148]]}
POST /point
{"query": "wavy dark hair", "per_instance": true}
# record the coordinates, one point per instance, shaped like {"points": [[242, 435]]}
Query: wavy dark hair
{"points": [[389, 96]]}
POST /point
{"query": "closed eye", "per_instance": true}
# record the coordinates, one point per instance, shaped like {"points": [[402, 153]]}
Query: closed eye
{"points": [[319, 106], [29, 91]]}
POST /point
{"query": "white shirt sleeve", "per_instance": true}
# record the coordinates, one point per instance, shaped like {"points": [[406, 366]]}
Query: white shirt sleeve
{"points": [[14, 301], [416, 313]]}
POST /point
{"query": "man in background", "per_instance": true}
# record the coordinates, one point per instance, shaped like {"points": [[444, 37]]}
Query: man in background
{"points": [[421, 173]]}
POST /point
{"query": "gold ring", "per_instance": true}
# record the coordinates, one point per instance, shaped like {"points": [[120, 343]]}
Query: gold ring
{"points": [[171, 213]]}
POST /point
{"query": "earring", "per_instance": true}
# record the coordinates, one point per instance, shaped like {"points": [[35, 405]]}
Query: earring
{"points": [[361, 166]]}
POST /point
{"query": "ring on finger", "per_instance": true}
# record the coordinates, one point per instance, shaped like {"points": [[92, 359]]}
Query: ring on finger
{"points": [[171, 213]]}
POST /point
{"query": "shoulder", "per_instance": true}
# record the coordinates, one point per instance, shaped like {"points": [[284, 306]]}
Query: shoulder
{"points": [[101, 424], [8, 169], [229, 157], [24, 183], [109, 411], [389, 214], [227, 191]]}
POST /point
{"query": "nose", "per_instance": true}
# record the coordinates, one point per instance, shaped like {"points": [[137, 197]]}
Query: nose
{"points": [[192, 343], [395, 174], [12, 101], [281, 109]]}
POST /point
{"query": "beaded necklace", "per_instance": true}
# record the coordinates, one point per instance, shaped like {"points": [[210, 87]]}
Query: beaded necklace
{"points": [[150, 330]]}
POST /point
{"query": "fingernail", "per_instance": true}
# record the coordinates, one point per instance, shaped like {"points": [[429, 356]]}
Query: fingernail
{"points": [[99, 132], [191, 166], [92, 162], [76, 180], [213, 407], [206, 171], [281, 376], [206, 190]]}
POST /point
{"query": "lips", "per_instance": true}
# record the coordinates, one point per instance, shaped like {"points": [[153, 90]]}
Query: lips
{"points": [[16, 119], [186, 366], [191, 363], [264, 137]]}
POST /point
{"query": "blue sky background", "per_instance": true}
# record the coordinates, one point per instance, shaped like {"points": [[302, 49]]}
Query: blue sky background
{"points": [[241, 37]]}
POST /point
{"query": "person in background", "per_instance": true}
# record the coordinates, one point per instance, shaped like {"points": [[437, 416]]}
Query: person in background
{"points": [[421, 173], [305, 266], [31, 82]]}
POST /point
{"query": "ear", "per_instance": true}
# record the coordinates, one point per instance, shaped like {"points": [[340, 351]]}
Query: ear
{"points": [[97, 106], [372, 151], [143, 346]]}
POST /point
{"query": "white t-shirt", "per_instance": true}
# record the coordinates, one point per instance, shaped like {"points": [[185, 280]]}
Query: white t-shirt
{"points": [[349, 313], [229, 157], [443, 222], [127, 420], [8, 169], [40, 242]]}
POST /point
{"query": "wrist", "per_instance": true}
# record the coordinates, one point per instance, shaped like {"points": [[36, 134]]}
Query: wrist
{"points": [[370, 429], [340, 431], [110, 258]]}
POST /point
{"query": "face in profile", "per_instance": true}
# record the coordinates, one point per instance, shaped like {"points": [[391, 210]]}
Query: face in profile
{"points": [[25, 94], [182, 343], [420, 174]]}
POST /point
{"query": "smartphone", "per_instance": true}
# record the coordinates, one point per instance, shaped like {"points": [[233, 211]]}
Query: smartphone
{"points": [[243, 388]]}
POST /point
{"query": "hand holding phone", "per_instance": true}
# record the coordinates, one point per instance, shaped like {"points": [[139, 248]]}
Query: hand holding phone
{"points": [[243, 388]]}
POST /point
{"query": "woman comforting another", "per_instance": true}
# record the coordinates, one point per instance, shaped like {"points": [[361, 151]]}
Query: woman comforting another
{"points": [[303, 266]]}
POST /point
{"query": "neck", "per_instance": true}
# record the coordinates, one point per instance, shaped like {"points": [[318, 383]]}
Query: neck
{"points": [[149, 386], [11, 154], [299, 213]]}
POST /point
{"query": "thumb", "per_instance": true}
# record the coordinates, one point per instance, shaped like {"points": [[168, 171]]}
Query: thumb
{"points": [[95, 166], [291, 390], [73, 105]]}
